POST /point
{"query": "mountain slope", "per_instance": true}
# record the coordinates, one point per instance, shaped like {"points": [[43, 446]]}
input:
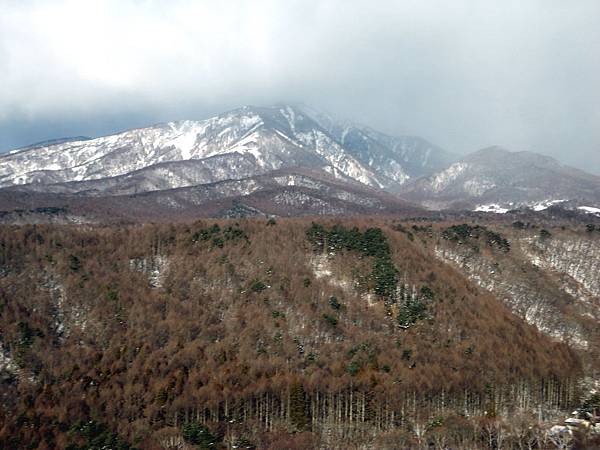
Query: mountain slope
{"points": [[399, 158], [241, 143], [505, 179], [546, 276], [289, 192], [239, 132], [255, 331]]}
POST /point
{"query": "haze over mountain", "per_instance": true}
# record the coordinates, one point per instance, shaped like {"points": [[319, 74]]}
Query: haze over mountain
{"points": [[445, 71]]}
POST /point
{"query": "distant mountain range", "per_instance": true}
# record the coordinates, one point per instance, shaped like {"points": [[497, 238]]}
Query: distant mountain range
{"points": [[294, 159]]}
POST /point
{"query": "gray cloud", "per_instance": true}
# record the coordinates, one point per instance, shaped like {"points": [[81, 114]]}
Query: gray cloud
{"points": [[464, 74]]}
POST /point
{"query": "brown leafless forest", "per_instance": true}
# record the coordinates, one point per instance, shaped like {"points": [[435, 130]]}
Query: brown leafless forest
{"points": [[262, 333]]}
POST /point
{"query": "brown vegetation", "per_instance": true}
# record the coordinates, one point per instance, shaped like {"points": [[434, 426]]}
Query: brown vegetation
{"points": [[150, 329]]}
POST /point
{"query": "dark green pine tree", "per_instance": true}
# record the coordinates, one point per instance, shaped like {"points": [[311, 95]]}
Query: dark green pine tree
{"points": [[197, 434], [386, 277]]}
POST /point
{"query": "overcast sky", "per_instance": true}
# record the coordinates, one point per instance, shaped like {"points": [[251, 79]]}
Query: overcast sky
{"points": [[464, 74]]}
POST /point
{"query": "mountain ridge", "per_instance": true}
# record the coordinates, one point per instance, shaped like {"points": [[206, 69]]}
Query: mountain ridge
{"points": [[286, 192], [282, 133], [254, 141]]}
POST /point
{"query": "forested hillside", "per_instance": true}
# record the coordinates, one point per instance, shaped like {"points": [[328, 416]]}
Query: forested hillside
{"points": [[344, 333]]}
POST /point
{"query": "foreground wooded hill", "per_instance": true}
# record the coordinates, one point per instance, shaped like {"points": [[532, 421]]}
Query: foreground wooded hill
{"points": [[263, 333]]}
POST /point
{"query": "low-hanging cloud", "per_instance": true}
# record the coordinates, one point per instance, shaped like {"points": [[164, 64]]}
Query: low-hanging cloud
{"points": [[464, 74]]}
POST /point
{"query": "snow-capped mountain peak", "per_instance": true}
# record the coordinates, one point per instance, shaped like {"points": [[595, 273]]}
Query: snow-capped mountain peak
{"points": [[266, 138]]}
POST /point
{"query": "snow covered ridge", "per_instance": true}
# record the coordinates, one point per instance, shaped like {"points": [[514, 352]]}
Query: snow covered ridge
{"points": [[272, 138], [128, 151]]}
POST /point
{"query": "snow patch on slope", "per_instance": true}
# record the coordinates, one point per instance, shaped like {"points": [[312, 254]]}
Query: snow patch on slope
{"points": [[321, 267], [491, 208], [477, 187], [154, 267], [590, 210], [7, 364], [444, 178], [541, 206]]}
